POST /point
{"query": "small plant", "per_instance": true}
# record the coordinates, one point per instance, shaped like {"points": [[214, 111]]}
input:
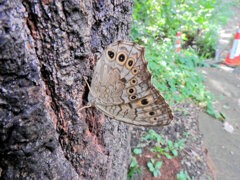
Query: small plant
{"points": [[137, 151], [161, 151], [173, 148], [134, 170], [186, 134], [169, 149], [183, 175], [163, 147], [152, 135], [180, 144], [154, 168]]}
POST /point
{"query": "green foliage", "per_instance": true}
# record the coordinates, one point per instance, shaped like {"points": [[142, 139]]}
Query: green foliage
{"points": [[183, 175], [186, 134], [161, 151], [162, 147], [137, 151], [155, 169], [174, 147], [134, 170], [207, 40], [160, 19], [152, 135], [155, 24], [168, 147]]}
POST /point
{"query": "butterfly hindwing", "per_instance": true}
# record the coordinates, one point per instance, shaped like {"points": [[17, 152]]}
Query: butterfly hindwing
{"points": [[151, 110]]}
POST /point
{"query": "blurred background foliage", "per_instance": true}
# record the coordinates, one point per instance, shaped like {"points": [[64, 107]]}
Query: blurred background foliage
{"points": [[155, 24]]}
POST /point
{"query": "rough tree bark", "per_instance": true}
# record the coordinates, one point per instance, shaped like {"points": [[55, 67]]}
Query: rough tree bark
{"points": [[45, 49]]}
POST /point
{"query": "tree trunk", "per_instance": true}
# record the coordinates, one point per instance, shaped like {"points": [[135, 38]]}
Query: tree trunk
{"points": [[46, 49]]}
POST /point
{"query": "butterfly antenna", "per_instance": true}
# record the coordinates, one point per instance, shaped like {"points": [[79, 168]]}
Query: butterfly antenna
{"points": [[88, 85], [84, 107]]}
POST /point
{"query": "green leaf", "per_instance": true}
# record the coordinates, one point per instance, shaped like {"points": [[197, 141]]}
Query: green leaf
{"points": [[152, 160], [186, 134], [168, 156], [175, 153], [156, 173], [170, 143], [158, 165], [183, 175], [137, 151], [134, 162], [166, 149], [160, 140], [150, 166], [226, 107], [153, 150], [223, 115]]}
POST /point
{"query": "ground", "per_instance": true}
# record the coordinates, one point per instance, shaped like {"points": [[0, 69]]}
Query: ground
{"points": [[222, 145], [192, 158]]}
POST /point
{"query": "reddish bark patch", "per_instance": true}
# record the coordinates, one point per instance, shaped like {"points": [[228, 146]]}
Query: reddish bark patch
{"points": [[169, 170]]}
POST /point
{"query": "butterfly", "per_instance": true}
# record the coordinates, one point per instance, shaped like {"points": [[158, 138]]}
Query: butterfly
{"points": [[121, 87]]}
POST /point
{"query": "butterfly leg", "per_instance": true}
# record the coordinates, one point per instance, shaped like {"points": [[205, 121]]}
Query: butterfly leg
{"points": [[88, 85], [84, 107]]}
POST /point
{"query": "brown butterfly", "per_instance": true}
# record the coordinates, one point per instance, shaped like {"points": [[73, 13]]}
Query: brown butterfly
{"points": [[122, 89]]}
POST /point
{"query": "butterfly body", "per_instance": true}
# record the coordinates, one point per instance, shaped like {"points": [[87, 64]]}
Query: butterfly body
{"points": [[121, 87]]}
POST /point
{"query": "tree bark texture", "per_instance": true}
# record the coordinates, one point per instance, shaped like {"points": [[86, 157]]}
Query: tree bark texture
{"points": [[46, 47]]}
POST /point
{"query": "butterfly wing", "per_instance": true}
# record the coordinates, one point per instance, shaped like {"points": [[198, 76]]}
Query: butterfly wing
{"points": [[151, 110], [108, 83], [122, 87]]}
